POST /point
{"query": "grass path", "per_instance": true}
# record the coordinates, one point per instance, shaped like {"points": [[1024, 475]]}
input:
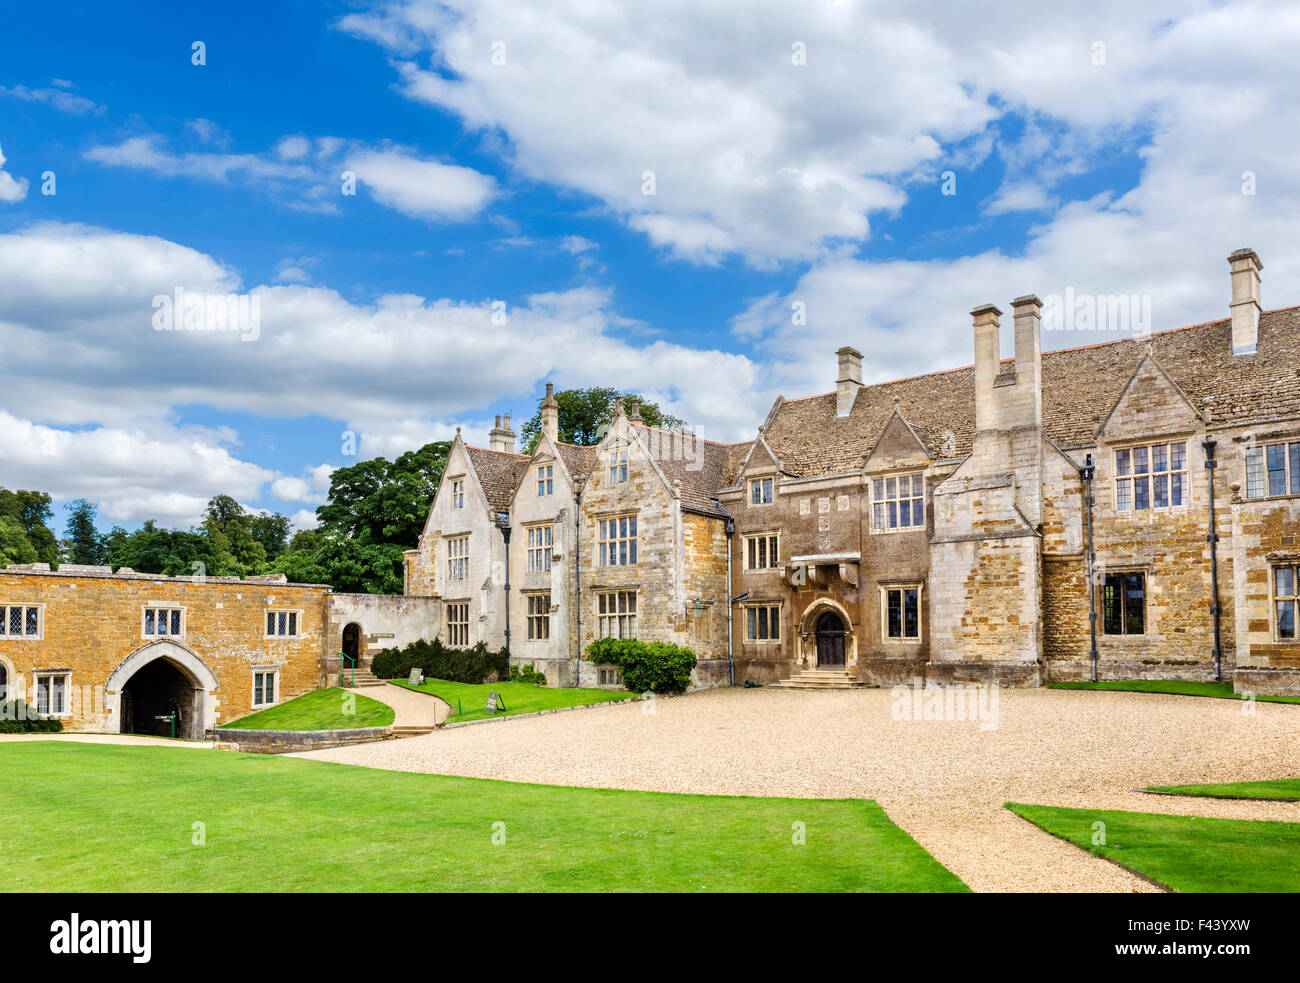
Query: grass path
{"points": [[100, 818], [519, 697], [322, 709], [1186, 853], [1287, 789], [1175, 687]]}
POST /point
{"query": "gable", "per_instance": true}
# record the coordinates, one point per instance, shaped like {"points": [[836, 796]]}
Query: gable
{"points": [[1150, 404], [898, 447]]}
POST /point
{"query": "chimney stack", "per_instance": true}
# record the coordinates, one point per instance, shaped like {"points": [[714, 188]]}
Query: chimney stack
{"points": [[502, 437], [618, 407], [551, 413], [634, 410], [848, 381], [988, 355], [1026, 409], [1245, 267]]}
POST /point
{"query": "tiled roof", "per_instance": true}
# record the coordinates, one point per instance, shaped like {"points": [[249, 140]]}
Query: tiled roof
{"points": [[578, 460], [1080, 385], [499, 473], [701, 466]]}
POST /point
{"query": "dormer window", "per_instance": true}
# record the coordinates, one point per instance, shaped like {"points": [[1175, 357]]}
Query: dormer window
{"points": [[458, 494], [1152, 477], [898, 503], [761, 491], [546, 480]]}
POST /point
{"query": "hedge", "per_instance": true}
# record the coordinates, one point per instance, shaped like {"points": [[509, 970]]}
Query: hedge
{"points": [[17, 717], [438, 661], [655, 667]]}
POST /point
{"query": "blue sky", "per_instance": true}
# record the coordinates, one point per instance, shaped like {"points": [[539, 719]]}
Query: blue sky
{"points": [[500, 153]]}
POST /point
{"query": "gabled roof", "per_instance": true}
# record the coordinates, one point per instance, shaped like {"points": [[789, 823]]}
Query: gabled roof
{"points": [[702, 467], [1079, 386], [499, 473], [578, 460]]}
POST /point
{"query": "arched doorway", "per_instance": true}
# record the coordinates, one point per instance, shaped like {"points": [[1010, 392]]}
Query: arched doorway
{"points": [[830, 640], [158, 689], [352, 642], [158, 679]]}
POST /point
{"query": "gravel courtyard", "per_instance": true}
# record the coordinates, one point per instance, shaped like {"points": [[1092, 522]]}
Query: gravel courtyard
{"points": [[944, 781]]}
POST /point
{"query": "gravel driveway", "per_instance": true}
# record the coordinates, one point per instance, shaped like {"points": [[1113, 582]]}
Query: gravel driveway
{"points": [[942, 781]]}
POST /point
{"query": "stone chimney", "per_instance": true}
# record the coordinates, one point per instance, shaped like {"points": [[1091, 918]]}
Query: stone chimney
{"points": [[849, 379], [1245, 267], [634, 410], [551, 413], [1024, 407], [988, 355], [618, 407], [502, 437]]}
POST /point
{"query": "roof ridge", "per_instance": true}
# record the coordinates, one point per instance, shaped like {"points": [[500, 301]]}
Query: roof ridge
{"points": [[683, 433], [1054, 351], [489, 450]]}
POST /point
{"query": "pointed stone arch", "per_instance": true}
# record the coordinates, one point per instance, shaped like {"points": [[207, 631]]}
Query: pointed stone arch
{"points": [[190, 664], [808, 632]]}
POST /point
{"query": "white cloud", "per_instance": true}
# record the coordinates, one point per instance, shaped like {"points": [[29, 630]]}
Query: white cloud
{"points": [[305, 175], [85, 370], [422, 188], [59, 98], [11, 189]]}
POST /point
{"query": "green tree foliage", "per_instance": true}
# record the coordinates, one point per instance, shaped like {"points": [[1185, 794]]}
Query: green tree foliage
{"points": [[172, 552], [375, 511], [584, 415], [25, 535], [82, 542]]}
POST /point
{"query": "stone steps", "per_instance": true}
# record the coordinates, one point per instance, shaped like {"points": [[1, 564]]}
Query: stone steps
{"points": [[821, 679], [411, 730]]}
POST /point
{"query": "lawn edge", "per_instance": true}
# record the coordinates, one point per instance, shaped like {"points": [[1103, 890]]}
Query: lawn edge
{"points": [[1100, 856]]}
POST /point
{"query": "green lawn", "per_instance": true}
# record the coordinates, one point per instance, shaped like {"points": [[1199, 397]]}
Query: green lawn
{"points": [[518, 697], [1178, 687], [95, 818], [321, 709], [1186, 853], [1283, 788]]}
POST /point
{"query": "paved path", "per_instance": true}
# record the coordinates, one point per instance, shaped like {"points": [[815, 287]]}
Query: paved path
{"points": [[107, 739], [410, 709], [943, 781]]}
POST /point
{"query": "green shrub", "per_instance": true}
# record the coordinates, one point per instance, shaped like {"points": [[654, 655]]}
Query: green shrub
{"points": [[527, 674], [17, 717], [438, 661], [655, 667]]}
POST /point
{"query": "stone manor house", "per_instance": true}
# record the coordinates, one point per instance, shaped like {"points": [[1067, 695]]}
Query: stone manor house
{"points": [[1129, 509]]}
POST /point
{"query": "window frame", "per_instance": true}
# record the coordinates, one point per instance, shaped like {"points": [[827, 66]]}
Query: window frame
{"points": [[1290, 450], [880, 500], [537, 615], [762, 491], [902, 589], [163, 606], [618, 466], [274, 673], [1131, 477], [25, 607], [627, 556], [457, 493], [1124, 573], [457, 561], [298, 633], [538, 551], [455, 626], [39, 676], [545, 480], [771, 548], [771, 619], [607, 613], [1276, 599]]}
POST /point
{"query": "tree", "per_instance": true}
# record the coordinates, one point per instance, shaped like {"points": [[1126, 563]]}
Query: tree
{"points": [[82, 542], [26, 535], [171, 552], [376, 510], [584, 415], [227, 525]]}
